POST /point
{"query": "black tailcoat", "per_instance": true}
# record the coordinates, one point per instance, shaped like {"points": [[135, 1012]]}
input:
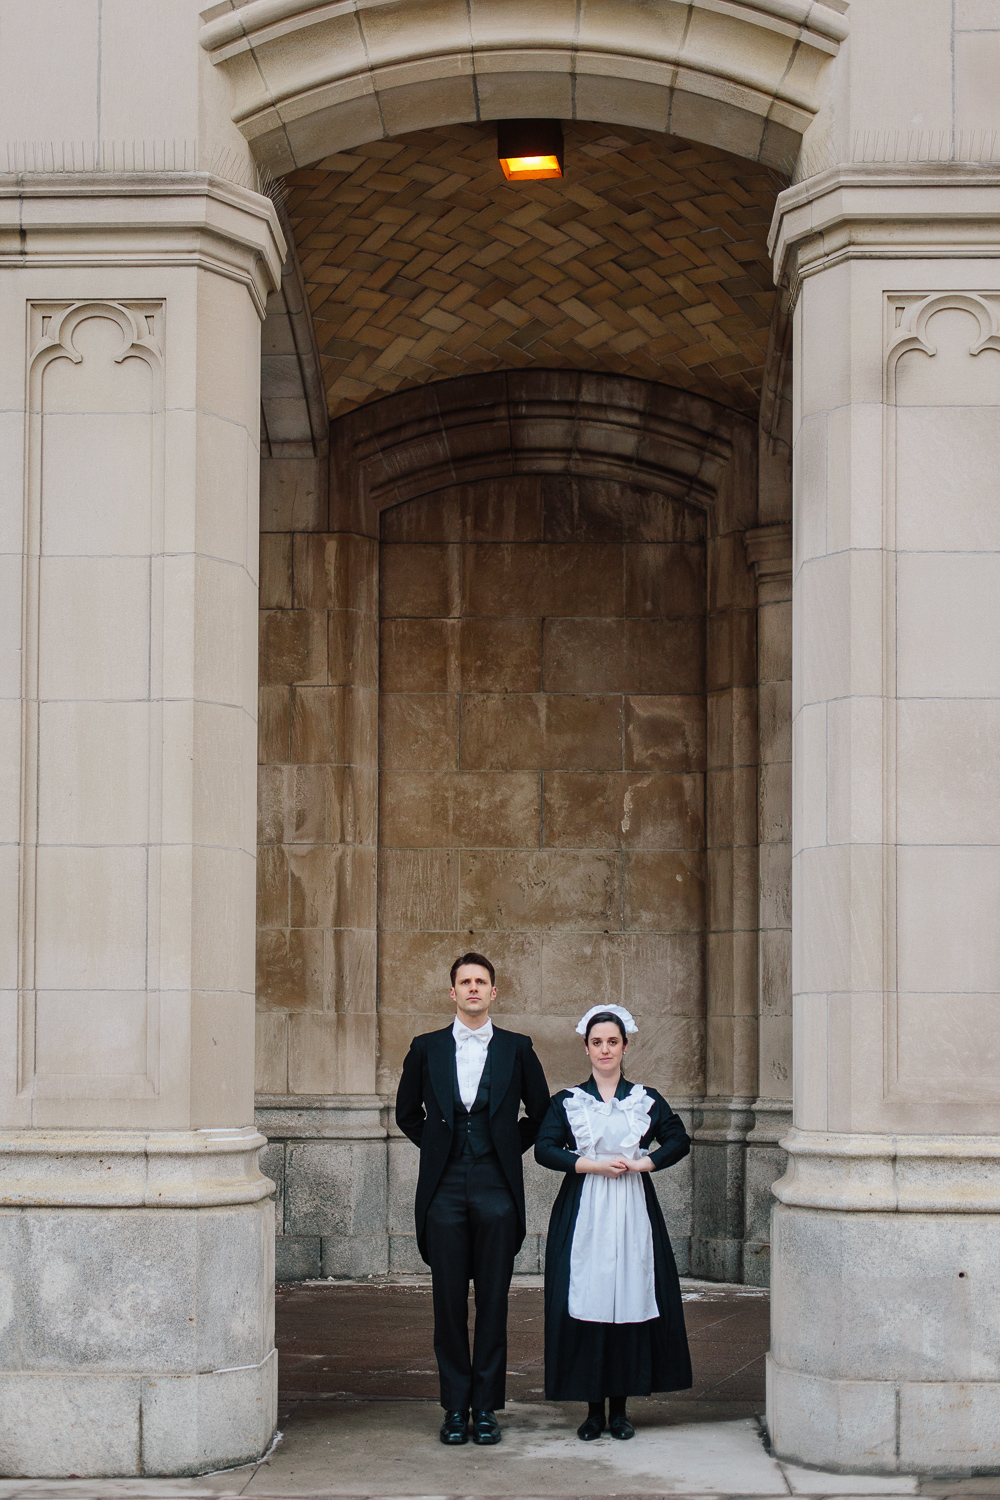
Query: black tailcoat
{"points": [[425, 1103]]}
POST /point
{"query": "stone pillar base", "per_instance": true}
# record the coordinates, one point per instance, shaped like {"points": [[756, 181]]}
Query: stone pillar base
{"points": [[136, 1313], [946, 1428], [102, 1426], [719, 1166], [885, 1346], [764, 1165], [327, 1153]]}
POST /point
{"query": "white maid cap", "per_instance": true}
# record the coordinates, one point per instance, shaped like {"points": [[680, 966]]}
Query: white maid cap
{"points": [[613, 1010]]}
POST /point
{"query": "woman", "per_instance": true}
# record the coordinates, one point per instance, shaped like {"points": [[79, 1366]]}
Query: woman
{"points": [[614, 1324]]}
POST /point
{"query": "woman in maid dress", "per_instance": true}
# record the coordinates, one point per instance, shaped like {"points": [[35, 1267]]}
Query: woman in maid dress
{"points": [[614, 1324]]}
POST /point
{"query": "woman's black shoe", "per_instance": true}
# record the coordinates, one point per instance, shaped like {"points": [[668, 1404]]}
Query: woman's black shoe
{"points": [[620, 1427], [485, 1428], [455, 1427], [590, 1429]]}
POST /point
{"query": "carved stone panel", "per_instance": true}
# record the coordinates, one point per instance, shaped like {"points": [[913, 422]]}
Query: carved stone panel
{"points": [[92, 739], [942, 728]]}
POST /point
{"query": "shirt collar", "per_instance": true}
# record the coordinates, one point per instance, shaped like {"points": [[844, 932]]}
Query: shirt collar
{"points": [[463, 1033]]}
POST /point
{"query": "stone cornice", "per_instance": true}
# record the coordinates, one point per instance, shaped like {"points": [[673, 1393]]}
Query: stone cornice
{"points": [[723, 1120], [141, 219], [885, 211], [772, 1119], [943, 1174], [310, 1117], [769, 552], [131, 1168]]}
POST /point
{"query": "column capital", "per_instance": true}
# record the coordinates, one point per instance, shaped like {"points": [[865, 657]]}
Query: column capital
{"points": [[142, 219], [885, 211]]}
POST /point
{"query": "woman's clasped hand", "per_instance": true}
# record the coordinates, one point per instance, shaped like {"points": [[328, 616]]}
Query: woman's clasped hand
{"points": [[614, 1166]]}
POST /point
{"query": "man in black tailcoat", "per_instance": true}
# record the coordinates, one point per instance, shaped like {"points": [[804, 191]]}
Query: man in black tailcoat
{"points": [[458, 1101]]}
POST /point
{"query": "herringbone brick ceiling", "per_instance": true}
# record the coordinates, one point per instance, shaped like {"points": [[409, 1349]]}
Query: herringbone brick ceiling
{"points": [[647, 258]]}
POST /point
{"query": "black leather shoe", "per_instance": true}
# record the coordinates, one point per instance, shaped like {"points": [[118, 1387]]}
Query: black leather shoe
{"points": [[485, 1428], [591, 1429], [621, 1427], [455, 1427]]}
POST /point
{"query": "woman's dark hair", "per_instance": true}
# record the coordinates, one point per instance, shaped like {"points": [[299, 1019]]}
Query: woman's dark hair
{"points": [[606, 1015], [473, 958]]}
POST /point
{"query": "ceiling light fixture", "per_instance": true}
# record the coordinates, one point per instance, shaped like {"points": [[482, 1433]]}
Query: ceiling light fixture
{"points": [[530, 150]]}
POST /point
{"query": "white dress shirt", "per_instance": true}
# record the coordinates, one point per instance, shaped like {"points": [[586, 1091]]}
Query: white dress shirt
{"points": [[470, 1057]]}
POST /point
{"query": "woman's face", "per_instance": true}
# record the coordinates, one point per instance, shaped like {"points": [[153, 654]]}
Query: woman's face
{"points": [[605, 1047]]}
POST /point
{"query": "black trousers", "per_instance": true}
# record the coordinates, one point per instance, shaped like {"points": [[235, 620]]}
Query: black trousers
{"points": [[472, 1232]]}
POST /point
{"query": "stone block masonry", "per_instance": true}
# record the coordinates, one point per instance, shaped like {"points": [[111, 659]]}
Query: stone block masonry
{"points": [[566, 764], [581, 873]]}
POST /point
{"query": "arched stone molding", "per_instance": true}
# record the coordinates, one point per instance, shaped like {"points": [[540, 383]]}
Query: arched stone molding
{"points": [[294, 421], [313, 79], [647, 436]]}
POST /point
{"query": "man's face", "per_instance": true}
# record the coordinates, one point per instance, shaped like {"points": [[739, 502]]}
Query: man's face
{"points": [[473, 992]]}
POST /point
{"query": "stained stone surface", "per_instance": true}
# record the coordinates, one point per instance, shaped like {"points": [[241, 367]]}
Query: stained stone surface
{"points": [[564, 765], [515, 797]]}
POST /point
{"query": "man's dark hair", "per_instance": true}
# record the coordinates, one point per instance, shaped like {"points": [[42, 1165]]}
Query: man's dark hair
{"points": [[473, 958], [606, 1015]]}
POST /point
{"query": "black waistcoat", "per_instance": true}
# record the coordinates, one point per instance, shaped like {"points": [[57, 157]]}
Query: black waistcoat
{"points": [[471, 1136]]}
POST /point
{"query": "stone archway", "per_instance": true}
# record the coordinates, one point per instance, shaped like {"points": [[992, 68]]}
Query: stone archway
{"points": [[744, 81], [649, 260], [308, 80]]}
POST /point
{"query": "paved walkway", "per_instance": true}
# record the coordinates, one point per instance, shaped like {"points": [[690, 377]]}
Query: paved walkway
{"points": [[359, 1417]]}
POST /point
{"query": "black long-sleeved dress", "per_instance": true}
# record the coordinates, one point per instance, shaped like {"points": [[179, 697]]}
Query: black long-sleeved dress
{"points": [[589, 1361]]}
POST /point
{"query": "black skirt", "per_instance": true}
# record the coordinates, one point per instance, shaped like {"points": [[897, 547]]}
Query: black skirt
{"points": [[590, 1361]]}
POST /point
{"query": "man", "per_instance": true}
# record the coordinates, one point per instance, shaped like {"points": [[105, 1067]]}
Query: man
{"points": [[458, 1101]]}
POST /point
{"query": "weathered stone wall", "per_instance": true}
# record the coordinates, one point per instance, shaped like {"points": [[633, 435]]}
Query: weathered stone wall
{"points": [[317, 801], [566, 778], [542, 756]]}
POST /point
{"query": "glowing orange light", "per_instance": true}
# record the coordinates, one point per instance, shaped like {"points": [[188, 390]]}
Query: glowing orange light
{"points": [[530, 168], [530, 150]]}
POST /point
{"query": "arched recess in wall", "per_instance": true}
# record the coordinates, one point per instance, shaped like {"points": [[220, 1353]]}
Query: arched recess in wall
{"points": [[631, 603], [309, 79]]}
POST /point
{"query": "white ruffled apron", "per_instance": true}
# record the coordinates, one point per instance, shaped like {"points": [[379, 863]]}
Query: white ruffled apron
{"points": [[611, 1276]]}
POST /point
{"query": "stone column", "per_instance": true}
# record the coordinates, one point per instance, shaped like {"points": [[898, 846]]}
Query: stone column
{"points": [[769, 549], [136, 1331], [886, 1243], [725, 1117]]}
